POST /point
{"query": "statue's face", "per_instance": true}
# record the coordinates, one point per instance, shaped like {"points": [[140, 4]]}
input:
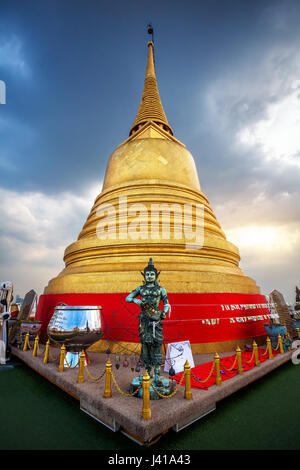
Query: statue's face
{"points": [[150, 276]]}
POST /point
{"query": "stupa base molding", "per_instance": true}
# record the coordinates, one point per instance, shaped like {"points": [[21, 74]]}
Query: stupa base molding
{"points": [[123, 414]]}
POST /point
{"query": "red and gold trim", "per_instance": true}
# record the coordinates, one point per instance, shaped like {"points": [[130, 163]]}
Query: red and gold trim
{"points": [[211, 322]]}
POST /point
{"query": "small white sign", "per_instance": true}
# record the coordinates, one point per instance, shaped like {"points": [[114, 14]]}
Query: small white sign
{"points": [[177, 355]]}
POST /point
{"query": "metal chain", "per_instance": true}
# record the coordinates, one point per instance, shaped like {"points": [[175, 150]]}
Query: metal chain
{"points": [[172, 394], [232, 367], [248, 362], [209, 375], [95, 379], [263, 354], [39, 351], [123, 393], [53, 358]]}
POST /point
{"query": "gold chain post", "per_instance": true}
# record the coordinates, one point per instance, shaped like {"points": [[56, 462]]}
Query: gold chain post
{"points": [[146, 413], [26, 342], [62, 358], [217, 369], [46, 355], [80, 378], [280, 344], [298, 332], [187, 379], [239, 360], [269, 348], [107, 391], [255, 349], [35, 347]]}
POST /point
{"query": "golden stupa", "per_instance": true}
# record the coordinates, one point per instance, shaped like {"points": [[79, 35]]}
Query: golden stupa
{"points": [[150, 167]]}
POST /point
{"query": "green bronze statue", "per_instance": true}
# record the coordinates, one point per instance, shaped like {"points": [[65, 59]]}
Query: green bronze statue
{"points": [[150, 318]]}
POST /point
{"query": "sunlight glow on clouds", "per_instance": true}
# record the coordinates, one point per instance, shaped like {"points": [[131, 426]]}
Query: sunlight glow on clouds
{"points": [[268, 254], [266, 238], [278, 135]]}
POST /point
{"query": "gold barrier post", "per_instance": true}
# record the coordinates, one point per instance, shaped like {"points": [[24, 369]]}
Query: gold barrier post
{"points": [[239, 360], [256, 357], [35, 347], [217, 369], [146, 413], [80, 378], [187, 379], [26, 343], [269, 348], [280, 344], [62, 358], [298, 332], [46, 355], [107, 391]]}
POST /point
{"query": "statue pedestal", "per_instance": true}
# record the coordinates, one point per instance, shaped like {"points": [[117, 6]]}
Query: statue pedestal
{"points": [[163, 387]]}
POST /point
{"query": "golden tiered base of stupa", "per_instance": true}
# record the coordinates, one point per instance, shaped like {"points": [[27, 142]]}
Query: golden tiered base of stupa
{"points": [[112, 265]]}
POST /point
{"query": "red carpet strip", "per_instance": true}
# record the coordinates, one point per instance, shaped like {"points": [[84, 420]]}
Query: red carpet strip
{"points": [[201, 372]]}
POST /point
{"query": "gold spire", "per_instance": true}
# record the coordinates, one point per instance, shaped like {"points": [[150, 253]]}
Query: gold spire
{"points": [[150, 108]]}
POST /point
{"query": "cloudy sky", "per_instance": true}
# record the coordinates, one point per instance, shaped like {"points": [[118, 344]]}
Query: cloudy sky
{"points": [[229, 78]]}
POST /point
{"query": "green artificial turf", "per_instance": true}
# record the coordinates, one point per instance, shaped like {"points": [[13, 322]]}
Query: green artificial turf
{"points": [[36, 415]]}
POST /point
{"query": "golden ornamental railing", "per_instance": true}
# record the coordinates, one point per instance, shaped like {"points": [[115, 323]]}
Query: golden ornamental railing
{"points": [[146, 383]]}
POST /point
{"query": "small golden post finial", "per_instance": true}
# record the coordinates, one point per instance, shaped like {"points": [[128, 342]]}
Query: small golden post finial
{"points": [[35, 347], [80, 378], [280, 344], [26, 343], [146, 411], [269, 348], [62, 358], [187, 378], [256, 356], [46, 356], [217, 369], [107, 390], [239, 360]]}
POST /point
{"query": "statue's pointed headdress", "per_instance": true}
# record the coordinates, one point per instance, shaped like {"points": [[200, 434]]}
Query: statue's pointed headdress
{"points": [[151, 267]]}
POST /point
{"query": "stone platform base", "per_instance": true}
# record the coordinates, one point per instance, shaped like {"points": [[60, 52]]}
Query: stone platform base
{"points": [[124, 414]]}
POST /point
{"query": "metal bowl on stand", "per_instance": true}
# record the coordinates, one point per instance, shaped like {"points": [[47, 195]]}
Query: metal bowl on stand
{"points": [[77, 327]]}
